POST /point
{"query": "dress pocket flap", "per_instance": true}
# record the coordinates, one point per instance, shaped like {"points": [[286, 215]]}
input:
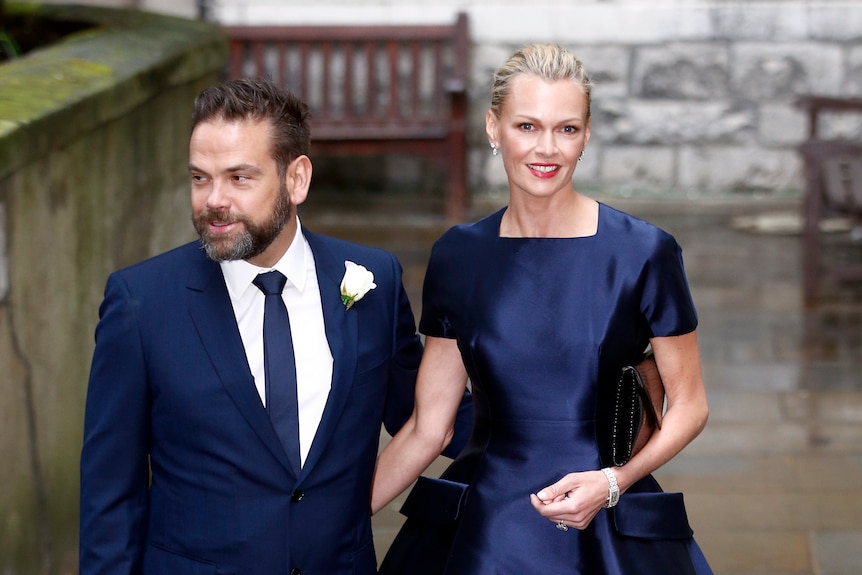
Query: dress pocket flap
{"points": [[435, 500], [652, 516]]}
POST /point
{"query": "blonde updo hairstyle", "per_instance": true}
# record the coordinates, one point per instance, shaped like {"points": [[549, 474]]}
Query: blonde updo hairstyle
{"points": [[549, 62]]}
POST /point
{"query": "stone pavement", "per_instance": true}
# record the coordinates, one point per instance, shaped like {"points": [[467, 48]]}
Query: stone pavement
{"points": [[774, 484]]}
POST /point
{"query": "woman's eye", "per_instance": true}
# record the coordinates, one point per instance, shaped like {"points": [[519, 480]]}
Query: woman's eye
{"points": [[570, 130], [526, 126]]}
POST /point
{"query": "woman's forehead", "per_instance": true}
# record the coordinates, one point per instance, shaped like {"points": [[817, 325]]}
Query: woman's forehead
{"points": [[530, 92]]}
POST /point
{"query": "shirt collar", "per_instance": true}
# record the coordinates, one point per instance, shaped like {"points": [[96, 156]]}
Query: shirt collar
{"points": [[239, 274]]}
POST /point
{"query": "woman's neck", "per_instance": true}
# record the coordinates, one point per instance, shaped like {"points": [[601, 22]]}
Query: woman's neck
{"points": [[569, 216]]}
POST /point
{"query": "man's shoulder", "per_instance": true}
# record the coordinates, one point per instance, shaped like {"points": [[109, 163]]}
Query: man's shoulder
{"points": [[188, 252], [183, 257], [345, 249]]}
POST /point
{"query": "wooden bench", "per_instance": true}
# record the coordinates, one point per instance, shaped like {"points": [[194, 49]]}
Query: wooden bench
{"points": [[833, 187], [372, 90]]}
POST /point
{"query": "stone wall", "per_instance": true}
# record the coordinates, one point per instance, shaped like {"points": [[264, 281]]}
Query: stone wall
{"points": [[93, 153], [693, 97]]}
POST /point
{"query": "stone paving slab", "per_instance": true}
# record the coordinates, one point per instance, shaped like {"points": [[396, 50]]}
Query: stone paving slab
{"points": [[839, 553], [747, 552]]}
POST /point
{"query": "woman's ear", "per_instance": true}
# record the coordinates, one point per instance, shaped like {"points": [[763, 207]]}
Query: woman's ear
{"points": [[491, 128]]}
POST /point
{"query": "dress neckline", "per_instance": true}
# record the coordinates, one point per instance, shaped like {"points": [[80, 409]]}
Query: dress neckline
{"points": [[499, 222]]}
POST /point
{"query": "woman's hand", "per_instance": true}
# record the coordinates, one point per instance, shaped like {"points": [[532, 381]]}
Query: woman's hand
{"points": [[575, 499]]}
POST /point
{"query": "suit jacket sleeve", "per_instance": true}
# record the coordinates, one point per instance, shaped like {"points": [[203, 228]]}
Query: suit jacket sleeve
{"points": [[114, 459], [406, 354]]}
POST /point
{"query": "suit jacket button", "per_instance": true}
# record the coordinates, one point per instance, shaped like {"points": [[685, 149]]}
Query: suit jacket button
{"points": [[296, 496], [295, 571]]}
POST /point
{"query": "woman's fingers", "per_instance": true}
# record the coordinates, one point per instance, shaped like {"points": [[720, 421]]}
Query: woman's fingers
{"points": [[575, 499], [552, 493]]}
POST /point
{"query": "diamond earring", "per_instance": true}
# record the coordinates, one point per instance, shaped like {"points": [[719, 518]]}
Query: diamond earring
{"points": [[494, 149]]}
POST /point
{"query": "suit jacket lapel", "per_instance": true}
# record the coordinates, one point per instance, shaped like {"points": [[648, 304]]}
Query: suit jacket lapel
{"points": [[212, 313], [341, 333]]}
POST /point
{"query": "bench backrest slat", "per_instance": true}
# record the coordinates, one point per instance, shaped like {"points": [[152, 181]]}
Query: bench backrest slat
{"points": [[438, 79], [856, 183], [392, 58]]}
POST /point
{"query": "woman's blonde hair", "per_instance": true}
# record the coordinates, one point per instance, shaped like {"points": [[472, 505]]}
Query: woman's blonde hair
{"points": [[549, 62]]}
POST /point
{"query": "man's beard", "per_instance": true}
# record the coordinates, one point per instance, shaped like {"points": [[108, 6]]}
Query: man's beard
{"points": [[251, 241]]}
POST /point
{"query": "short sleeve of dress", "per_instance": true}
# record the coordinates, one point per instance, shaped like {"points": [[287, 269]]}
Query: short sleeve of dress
{"points": [[666, 302], [435, 320]]}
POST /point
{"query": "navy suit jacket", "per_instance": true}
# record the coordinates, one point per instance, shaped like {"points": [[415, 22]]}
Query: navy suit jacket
{"points": [[181, 469]]}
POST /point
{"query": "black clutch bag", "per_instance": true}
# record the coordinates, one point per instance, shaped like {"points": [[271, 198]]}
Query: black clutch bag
{"points": [[635, 402]]}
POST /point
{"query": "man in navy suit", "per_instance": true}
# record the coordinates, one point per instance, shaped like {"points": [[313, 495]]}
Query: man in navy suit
{"points": [[182, 471]]}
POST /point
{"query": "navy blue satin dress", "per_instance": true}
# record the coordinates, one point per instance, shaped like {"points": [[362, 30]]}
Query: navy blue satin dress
{"points": [[541, 324]]}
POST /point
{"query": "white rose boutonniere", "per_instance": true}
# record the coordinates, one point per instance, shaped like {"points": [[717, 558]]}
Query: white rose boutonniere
{"points": [[357, 282]]}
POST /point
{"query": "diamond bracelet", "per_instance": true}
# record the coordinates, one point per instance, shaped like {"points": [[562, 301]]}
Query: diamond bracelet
{"points": [[613, 487]]}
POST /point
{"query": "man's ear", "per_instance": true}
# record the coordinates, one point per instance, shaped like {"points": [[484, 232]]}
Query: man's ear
{"points": [[298, 179]]}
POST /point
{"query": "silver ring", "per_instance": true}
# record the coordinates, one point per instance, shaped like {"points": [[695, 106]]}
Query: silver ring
{"points": [[561, 525]]}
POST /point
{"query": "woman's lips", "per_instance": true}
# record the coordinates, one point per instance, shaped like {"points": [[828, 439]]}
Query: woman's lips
{"points": [[544, 170]]}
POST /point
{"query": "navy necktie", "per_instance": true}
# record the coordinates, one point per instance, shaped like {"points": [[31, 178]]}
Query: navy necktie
{"points": [[279, 365]]}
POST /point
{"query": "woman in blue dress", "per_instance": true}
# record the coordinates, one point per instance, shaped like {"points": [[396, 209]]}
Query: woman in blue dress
{"points": [[540, 305]]}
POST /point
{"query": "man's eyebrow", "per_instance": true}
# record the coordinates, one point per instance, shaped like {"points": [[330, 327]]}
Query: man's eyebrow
{"points": [[244, 168], [250, 168]]}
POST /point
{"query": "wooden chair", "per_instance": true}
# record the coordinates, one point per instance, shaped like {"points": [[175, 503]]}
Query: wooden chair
{"points": [[833, 187]]}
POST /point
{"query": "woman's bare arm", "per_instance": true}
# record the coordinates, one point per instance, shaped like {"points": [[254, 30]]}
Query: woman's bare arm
{"points": [[678, 361], [439, 388]]}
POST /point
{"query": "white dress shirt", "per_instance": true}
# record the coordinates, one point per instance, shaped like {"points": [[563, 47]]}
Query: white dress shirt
{"points": [[311, 348]]}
